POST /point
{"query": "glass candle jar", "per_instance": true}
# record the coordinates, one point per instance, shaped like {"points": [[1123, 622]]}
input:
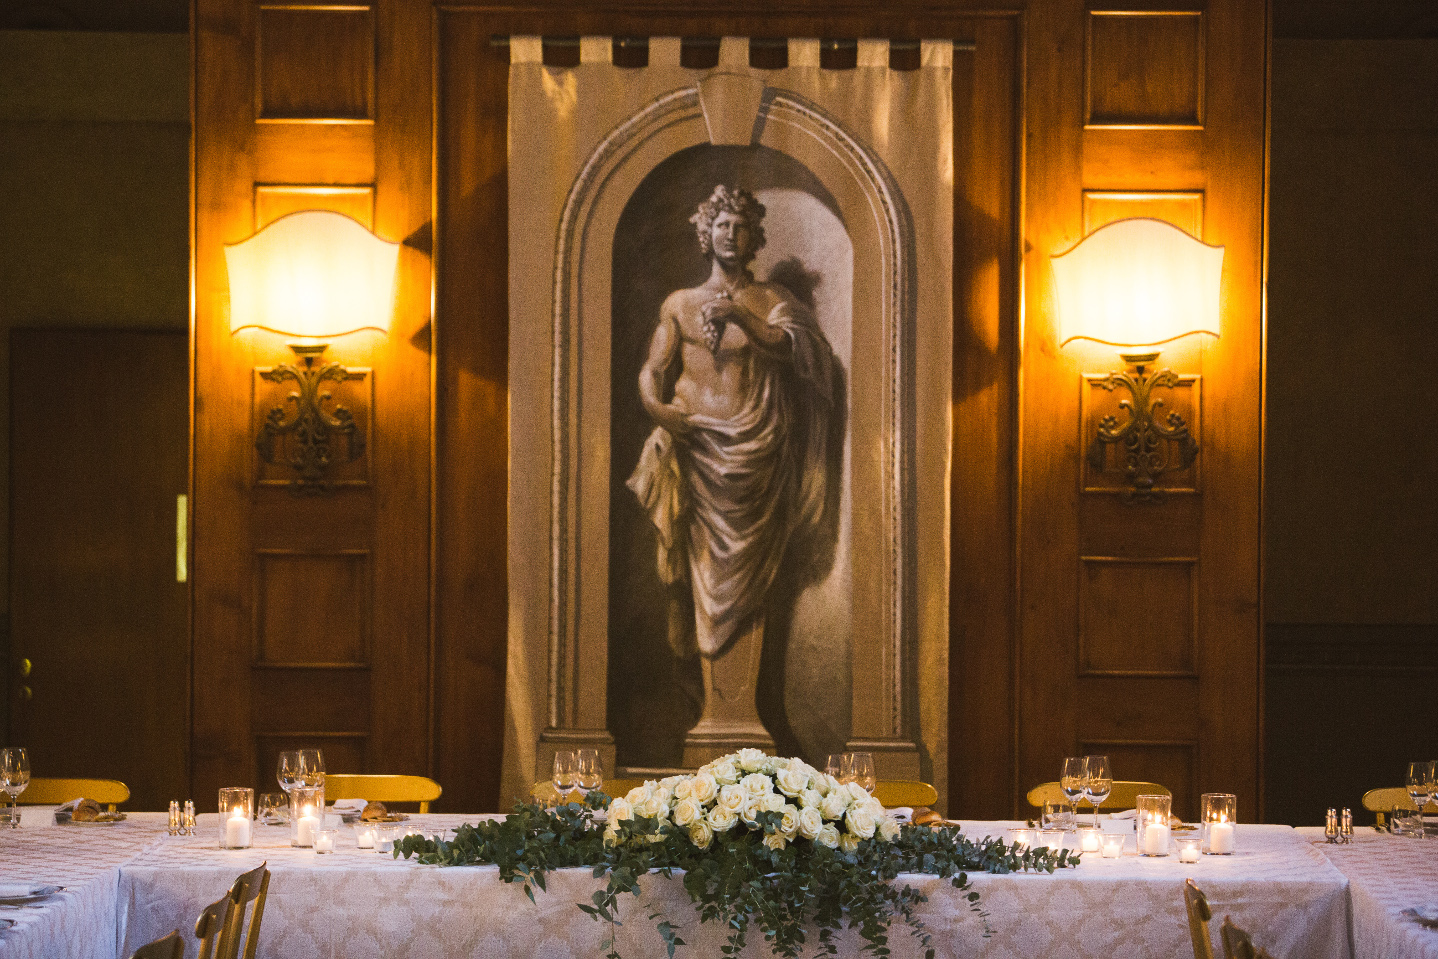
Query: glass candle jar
{"points": [[237, 813], [1088, 839], [1151, 820], [1188, 850], [1113, 846], [364, 835], [1219, 813], [307, 814], [1023, 837], [324, 841]]}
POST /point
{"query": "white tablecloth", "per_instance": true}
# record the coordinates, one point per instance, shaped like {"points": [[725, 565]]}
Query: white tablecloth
{"points": [[1386, 874], [358, 904]]}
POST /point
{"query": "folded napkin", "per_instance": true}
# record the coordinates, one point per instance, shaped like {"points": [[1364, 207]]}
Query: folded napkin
{"points": [[902, 813], [348, 807]]}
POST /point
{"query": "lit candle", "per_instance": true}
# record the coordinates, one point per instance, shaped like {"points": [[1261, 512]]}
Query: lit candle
{"points": [[1088, 840], [305, 831], [1155, 839], [237, 829], [1188, 850], [325, 841], [384, 841], [1220, 838], [364, 837], [1023, 837], [1112, 847]]}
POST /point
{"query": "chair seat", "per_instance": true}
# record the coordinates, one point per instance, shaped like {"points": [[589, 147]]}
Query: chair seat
{"points": [[1124, 796], [1386, 798]]}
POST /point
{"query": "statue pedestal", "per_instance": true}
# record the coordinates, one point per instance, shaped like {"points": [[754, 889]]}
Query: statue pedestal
{"points": [[730, 720]]}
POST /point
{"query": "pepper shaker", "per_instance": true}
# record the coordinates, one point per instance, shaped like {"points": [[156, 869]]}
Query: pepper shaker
{"points": [[1346, 827], [189, 827], [174, 817], [1330, 825]]}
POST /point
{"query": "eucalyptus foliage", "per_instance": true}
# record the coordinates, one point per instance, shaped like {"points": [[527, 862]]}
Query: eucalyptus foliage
{"points": [[736, 881]]}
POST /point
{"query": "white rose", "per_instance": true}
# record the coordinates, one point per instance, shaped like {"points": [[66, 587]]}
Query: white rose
{"points": [[888, 829], [832, 783], [664, 794], [828, 836], [611, 836], [858, 793], [775, 841], [702, 788], [835, 804], [732, 797], [848, 842], [773, 802], [750, 811], [810, 798], [791, 782], [876, 809], [701, 834], [620, 809], [789, 825], [811, 823], [683, 789], [639, 793], [655, 807], [724, 772], [669, 782], [721, 818], [686, 813], [750, 759], [860, 821], [757, 784]]}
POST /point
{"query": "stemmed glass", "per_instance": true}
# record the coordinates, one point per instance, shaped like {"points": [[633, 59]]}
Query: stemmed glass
{"points": [[14, 777], [1100, 782], [860, 770], [589, 771], [1073, 781], [564, 772], [835, 765], [1420, 789], [287, 773], [312, 767]]}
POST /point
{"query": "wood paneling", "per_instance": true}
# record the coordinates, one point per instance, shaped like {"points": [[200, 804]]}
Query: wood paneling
{"points": [[274, 200], [1145, 68], [354, 395], [315, 63], [1182, 208], [1136, 617], [1098, 402], [312, 608], [1170, 764]]}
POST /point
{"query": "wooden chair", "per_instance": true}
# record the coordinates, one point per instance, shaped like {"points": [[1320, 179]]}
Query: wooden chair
{"points": [[1124, 796], [1238, 944], [385, 789], [169, 946], [905, 792], [1387, 798], [50, 792], [545, 794], [211, 924], [1198, 916], [249, 888]]}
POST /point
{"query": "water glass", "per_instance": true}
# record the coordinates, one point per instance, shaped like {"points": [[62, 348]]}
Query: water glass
{"points": [[589, 770], [565, 770], [1056, 815], [14, 777], [834, 765], [274, 808], [861, 770]]}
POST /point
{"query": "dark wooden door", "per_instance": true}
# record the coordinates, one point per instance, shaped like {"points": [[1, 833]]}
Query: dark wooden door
{"points": [[99, 428]]}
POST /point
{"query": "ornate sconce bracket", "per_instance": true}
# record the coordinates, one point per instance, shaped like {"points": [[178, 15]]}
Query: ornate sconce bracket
{"points": [[1149, 442], [311, 421]]}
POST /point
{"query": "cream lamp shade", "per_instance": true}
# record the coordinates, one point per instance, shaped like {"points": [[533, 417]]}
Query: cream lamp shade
{"points": [[1138, 282], [315, 274]]}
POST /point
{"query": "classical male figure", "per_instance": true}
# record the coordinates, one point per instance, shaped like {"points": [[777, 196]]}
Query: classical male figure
{"points": [[738, 379]]}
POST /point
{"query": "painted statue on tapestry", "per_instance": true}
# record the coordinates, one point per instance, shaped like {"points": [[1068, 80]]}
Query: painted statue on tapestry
{"points": [[739, 380]]}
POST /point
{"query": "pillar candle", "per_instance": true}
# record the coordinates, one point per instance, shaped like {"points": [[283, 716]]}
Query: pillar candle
{"points": [[237, 830], [324, 842], [1088, 840], [1155, 839], [1220, 838], [307, 826]]}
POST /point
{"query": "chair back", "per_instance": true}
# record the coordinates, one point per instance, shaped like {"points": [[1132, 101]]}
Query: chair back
{"points": [[211, 925], [905, 792], [169, 946], [1124, 796], [1238, 944], [51, 792], [251, 887], [1386, 798], [1198, 916], [378, 788]]}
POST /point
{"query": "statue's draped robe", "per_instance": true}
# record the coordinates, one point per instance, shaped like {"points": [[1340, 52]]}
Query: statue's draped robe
{"points": [[728, 498]]}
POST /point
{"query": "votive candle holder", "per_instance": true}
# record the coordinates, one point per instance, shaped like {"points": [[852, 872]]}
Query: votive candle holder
{"points": [[307, 814], [1113, 846], [1088, 839], [1152, 814], [1188, 850], [1219, 814], [1023, 837], [237, 814]]}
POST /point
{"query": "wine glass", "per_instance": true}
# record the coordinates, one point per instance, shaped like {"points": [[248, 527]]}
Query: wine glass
{"points": [[1100, 782], [14, 777], [564, 772], [861, 771], [312, 767], [834, 766], [1073, 781], [589, 772], [1420, 786], [288, 770]]}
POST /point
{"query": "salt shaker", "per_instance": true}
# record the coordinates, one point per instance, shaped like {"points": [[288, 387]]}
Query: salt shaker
{"points": [[174, 817], [1330, 825], [1346, 827], [189, 827]]}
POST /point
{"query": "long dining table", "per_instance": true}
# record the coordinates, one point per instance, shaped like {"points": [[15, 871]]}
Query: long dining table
{"points": [[127, 884]]}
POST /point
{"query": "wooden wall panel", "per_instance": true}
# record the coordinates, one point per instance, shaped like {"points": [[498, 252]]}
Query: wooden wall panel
{"points": [[315, 63], [274, 200], [312, 608], [1182, 208], [1136, 617], [1145, 68]]}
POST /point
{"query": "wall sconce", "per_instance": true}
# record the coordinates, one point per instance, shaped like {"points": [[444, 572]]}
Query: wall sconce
{"points": [[315, 275], [1136, 284]]}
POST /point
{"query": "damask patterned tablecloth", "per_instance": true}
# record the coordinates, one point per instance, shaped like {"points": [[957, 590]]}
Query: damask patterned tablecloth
{"points": [[357, 904], [78, 922], [1386, 874]]}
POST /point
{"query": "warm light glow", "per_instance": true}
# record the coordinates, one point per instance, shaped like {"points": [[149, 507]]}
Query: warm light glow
{"points": [[314, 274], [1138, 282]]}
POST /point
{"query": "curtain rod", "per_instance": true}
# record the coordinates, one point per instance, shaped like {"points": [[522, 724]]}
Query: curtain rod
{"points": [[763, 43]]}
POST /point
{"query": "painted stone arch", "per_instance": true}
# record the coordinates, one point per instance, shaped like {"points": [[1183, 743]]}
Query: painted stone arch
{"points": [[736, 110]]}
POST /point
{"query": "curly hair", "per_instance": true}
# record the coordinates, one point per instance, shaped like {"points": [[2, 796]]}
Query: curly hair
{"points": [[739, 202]]}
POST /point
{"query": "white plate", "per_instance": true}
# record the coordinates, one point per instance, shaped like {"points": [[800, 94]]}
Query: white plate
{"points": [[23, 893]]}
